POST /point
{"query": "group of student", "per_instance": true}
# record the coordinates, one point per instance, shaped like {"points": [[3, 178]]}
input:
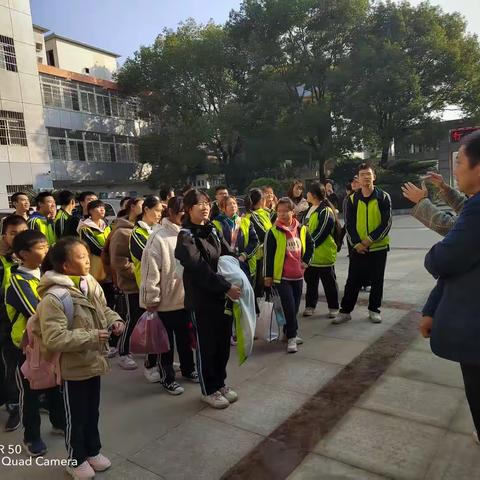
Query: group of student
{"points": [[161, 255]]}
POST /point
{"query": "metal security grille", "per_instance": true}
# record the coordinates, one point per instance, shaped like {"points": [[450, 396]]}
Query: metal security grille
{"points": [[8, 60], [12, 128], [11, 189]]}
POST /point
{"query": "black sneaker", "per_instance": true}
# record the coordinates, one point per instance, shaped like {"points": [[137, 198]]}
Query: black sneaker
{"points": [[192, 377], [13, 421], [36, 448], [173, 388]]}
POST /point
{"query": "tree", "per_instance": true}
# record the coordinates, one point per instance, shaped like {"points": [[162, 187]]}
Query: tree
{"points": [[406, 66], [185, 80], [292, 49]]}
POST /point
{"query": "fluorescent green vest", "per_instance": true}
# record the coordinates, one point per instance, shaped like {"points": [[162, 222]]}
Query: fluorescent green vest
{"points": [[245, 229], [369, 218], [281, 249], [325, 255], [140, 236]]}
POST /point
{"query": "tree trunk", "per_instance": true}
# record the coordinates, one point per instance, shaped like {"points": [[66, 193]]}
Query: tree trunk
{"points": [[384, 158]]}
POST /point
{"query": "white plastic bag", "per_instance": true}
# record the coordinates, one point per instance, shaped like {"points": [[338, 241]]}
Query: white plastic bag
{"points": [[267, 327]]}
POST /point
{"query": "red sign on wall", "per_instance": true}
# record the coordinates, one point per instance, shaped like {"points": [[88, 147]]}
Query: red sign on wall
{"points": [[458, 133]]}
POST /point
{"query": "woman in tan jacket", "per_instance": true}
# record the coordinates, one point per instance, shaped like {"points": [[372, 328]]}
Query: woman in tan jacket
{"points": [[82, 345], [123, 271]]}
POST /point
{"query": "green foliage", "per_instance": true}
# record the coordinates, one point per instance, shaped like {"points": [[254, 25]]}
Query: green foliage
{"points": [[279, 187], [301, 80]]}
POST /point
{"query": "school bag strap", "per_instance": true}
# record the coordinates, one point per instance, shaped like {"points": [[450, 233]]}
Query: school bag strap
{"points": [[64, 297]]}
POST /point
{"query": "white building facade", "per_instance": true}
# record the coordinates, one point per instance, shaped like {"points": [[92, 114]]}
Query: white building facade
{"points": [[63, 123]]}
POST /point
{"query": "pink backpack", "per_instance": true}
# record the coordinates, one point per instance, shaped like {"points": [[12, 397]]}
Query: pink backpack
{"points": [[43, 373]]}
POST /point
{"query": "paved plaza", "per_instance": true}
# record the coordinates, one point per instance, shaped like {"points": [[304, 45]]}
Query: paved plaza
{"points": [[358, 401]]}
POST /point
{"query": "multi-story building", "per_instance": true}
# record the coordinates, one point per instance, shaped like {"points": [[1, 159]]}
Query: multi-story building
{"points": [[63, 123]]}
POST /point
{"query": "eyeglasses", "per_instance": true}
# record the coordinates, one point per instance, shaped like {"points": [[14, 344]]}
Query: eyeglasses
{"points": [[203, 204]]}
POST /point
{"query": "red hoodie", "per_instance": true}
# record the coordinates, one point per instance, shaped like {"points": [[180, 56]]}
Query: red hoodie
{"points": [[292, 267]]}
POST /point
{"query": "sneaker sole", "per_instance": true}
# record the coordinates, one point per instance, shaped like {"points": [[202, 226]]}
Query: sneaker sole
{"points": [[217, 407], [127, 367], [175, 393], [11, 429], [340, 322], [98, 470], [34, 455], [149, 380]]}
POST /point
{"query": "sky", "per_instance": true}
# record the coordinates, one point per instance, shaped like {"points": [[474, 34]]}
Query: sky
{"points": [[122, 26]]}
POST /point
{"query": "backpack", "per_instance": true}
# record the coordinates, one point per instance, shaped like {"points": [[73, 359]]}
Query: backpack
{"points": [[338, 234], [43, 371]]}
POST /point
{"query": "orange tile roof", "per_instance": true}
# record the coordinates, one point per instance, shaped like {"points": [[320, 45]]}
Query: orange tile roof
{"points": [[78, 77]]}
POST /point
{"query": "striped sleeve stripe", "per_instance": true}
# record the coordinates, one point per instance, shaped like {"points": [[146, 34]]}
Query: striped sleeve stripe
{"points": [[22, 297], [325, 220], [91, 238]]}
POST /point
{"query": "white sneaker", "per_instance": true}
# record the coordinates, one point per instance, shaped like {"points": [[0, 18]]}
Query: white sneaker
{"points": [[112, 352], [152, 374], [299, 340], [127, 362], [308, 312], [292, 345], [229, 394], [374, 317], [83, 471], [341, 318], [99, 462], [475, 437], [332, 313], [216, 400]]}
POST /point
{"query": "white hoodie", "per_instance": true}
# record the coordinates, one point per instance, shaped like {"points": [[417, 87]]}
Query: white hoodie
{"points": [[160, 283]]}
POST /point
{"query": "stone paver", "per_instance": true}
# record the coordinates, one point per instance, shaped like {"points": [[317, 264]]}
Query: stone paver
{"points": [[458, 458], [383, 444], [462, 422], [426, 367], [261, 408], [200, 448], [332, 350], [423, 402], [298, 375], [316, 467]]}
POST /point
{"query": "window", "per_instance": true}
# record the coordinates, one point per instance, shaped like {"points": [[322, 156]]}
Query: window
{"points": [[11, 189], [39, 60], [59, 149], [70, 97], [87, 71], [80, 146], [87, 98], [50, 58], [77, 150], [38, 47], [12, 128], [8, 60], [51, 95]]}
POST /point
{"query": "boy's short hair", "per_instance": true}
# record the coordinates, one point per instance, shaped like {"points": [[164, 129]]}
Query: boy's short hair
{"points": [[18, 194], [220, 187], [365, 166], [65, 197], [24, 241], [83, 195], [40, 198], [12, 221]]}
